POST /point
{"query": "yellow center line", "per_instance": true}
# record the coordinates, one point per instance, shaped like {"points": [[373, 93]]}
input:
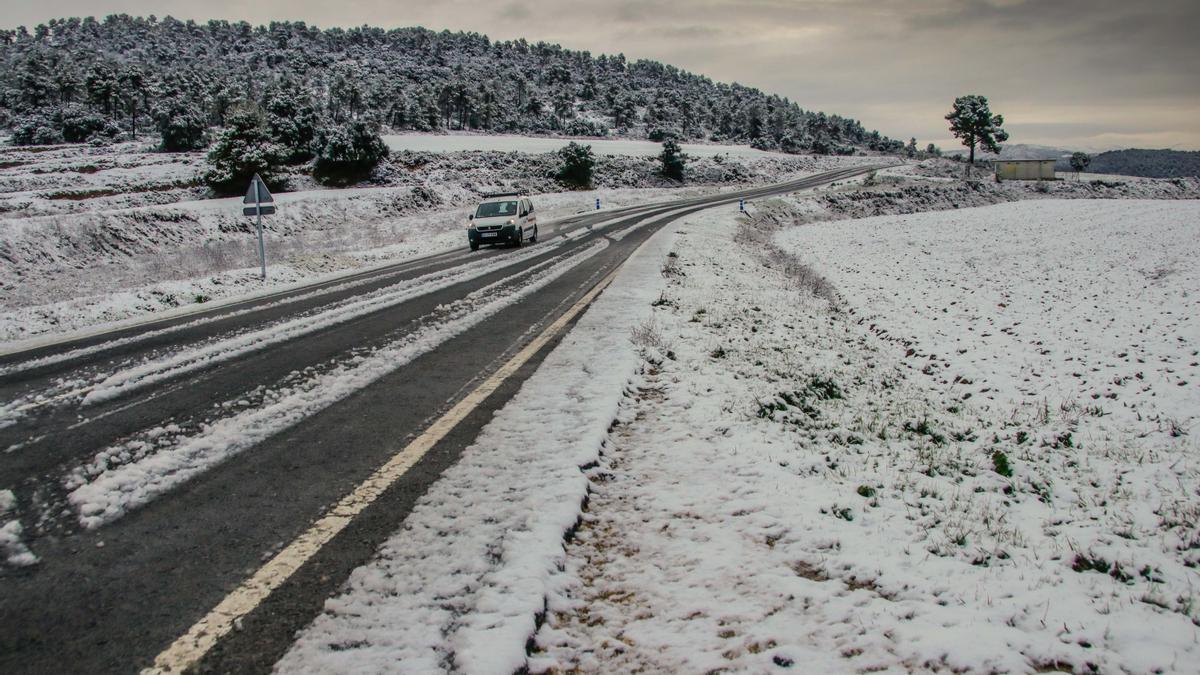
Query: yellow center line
{"points": [[190, 648]]}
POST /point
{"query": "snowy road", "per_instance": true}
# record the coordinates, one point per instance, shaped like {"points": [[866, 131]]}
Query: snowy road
{"points": [[148, 471]]}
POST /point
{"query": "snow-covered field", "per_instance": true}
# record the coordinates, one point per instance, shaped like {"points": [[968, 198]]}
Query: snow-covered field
{"points": [[536, 144], [984, 460]]}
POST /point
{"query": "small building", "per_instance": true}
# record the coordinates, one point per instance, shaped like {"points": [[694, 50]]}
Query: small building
{"points": [[1024, 169]]}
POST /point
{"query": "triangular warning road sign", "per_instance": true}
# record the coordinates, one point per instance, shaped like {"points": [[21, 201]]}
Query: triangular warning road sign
{"points": [[264, 196]]}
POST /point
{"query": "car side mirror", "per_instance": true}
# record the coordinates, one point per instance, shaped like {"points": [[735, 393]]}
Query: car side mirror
{"points": [[471, 217]]}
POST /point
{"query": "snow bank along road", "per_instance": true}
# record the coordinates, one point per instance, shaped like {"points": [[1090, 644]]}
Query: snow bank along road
{"points": [[147, 472]]}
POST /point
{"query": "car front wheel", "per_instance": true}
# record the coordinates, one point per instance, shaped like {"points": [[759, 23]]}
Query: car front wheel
{"points": [[520, 238]]}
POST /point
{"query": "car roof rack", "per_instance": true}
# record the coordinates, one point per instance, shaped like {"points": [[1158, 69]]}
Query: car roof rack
{"points": [[489, 195]]}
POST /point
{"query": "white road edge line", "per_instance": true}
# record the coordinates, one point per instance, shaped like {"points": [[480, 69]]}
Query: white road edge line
{"points": [[190, 648]]}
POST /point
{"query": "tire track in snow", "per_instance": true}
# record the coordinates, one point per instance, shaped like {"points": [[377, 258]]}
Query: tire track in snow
{"points": [[106, 387], [101, 493]]}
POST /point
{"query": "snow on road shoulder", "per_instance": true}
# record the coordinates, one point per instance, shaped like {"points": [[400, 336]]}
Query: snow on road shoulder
{"points": [[844, 491], [461, 584], [12, 545]]}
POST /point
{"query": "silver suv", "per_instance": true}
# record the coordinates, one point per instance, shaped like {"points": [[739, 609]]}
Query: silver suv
{"points": [[505, 217]]}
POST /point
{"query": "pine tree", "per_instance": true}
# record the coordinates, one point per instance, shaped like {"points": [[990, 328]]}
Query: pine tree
{"points": [[292, 121], [348, 153], [1080, 162], [131, 91], [243, 149], [180, 125], [674, 162], [577, 165], [972, 120]]}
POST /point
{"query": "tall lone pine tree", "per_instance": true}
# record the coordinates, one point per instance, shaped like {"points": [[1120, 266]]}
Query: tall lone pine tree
{"points": [[973, 122]]}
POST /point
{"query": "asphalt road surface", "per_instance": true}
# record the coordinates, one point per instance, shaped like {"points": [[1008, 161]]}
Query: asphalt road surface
{"points": [[112, 597]]}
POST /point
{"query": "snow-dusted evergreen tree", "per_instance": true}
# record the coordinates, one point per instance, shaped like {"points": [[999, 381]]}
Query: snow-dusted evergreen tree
{"points": [[972, 121], [241, 150], [347, 153], [674, 162], [180, 125], [1080, 162], [577, 165], [292, 120]]}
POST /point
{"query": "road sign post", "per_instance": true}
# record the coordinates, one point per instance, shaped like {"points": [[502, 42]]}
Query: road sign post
{"points": [[258, 195]]}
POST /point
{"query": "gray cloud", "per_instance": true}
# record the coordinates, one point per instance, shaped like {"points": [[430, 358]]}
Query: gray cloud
{"points": [[1091, 73], [516, 12]]}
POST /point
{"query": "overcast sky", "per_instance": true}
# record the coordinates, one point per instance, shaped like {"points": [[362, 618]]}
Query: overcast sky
{"points": [[1093, 74]]}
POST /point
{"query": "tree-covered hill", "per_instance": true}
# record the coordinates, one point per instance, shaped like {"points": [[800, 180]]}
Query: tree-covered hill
{"points": [[1147, 163], [76, 79]]}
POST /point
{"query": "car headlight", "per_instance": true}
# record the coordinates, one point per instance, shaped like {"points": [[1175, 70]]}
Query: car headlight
{"points": [[512, 221]]}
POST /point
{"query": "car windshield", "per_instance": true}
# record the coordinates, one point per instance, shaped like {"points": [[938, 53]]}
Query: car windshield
{"points": [[494, 209]]}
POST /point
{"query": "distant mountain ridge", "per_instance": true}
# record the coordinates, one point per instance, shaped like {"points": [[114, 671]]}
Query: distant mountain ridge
{"points": [[1017, 151], [79, 77]]}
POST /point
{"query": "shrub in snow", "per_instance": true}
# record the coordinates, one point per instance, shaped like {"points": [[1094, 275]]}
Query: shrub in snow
{"points": [[181, 126], [35, 130], [662, 134], [79, 124], [763, 143], [577, 165], [1000, 464], [347, 154], [243, 149], [585, 128]]}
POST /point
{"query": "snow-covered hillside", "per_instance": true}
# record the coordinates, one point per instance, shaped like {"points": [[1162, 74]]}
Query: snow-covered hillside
{"points": [[101, 234]]}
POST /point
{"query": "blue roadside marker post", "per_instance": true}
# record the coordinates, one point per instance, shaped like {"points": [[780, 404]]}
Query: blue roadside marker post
{"points": [[742, 205], [597, 203]]}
